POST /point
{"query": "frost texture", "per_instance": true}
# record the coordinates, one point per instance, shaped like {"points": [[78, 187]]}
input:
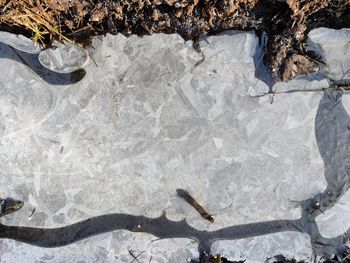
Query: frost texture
{"points": [[64, 58], [149, 119]]}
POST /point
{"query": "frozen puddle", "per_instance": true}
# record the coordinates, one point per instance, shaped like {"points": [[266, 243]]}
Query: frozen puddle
{"points": [[149, 118]]}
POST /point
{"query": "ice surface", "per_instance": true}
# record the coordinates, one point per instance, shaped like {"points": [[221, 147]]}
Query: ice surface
{"points": [[64, 58], [334, 47], [257, 249], [149, 118], [20, 42]]}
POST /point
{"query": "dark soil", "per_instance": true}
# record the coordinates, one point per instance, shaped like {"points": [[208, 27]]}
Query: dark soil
{"points": [[204, 258], [286, 22]]}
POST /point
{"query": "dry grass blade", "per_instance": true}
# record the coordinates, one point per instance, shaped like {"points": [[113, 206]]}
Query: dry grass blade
{"points": [[33, 15]]}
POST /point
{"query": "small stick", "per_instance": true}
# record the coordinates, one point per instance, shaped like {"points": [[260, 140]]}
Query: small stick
{"points": [[31, 214], [135, 257], [200, 209], [92, 58], [53, 141]]}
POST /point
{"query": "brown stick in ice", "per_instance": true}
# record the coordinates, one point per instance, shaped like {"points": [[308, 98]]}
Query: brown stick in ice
{"points": [[200, 209]]}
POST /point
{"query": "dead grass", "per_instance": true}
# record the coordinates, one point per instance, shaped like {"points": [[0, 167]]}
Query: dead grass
{"points": [[34, 15]]}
